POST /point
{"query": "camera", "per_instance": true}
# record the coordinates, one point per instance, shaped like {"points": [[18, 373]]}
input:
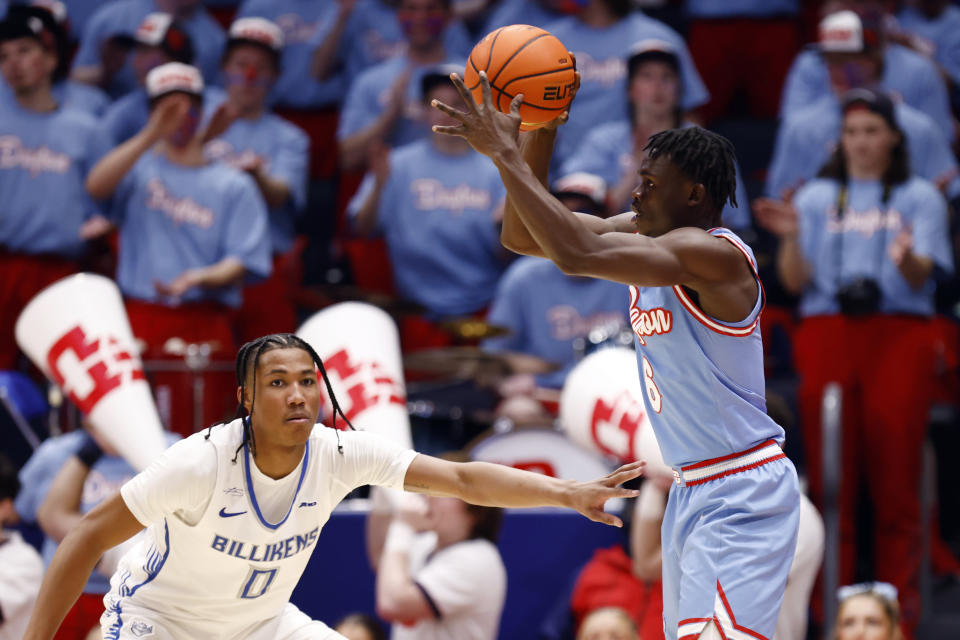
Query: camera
{"points": [[859, 297]]}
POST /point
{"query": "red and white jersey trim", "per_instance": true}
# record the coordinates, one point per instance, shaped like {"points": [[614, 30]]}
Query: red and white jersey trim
{"points": [[709, 322], [691, 628], [726, 622]]}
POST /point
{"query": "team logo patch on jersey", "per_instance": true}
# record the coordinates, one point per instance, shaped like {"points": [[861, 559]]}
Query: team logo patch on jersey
{"points": [[140, 629], [654, 322]]}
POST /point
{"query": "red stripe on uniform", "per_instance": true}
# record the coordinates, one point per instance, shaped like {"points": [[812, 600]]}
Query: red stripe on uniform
{"points": [[710, 323], [730, 472], [739, 244], [692, 620], [707, 463], [740, 628]]}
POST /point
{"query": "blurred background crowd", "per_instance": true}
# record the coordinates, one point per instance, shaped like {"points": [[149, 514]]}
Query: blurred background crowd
{"points": [[238, 166]]}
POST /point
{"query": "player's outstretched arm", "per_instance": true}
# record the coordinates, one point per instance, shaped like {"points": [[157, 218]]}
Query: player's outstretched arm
{"points": [[106, 526], [494, 485]]}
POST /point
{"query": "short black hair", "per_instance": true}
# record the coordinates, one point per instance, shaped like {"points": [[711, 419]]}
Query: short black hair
{"points": [[23, 21], [248, 357], [9, 483], [703, 156]]}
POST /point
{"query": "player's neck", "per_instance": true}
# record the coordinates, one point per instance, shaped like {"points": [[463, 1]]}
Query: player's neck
{"points": [[278, 462], [39, 99]]}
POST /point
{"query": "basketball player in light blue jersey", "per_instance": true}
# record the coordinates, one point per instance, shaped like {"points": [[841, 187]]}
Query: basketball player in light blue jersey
{"points": [[730, 528]]}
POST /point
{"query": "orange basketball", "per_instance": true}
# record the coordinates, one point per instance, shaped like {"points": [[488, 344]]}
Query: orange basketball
{"points": [[528, 60]]}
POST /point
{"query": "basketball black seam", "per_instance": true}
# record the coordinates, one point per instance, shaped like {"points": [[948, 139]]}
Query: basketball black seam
{"points": [[474, 65], [534, 75], [514, 55], [490, 51]]}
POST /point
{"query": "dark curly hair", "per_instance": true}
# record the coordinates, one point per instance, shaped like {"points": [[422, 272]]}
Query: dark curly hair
{"points": [[703, 156]]}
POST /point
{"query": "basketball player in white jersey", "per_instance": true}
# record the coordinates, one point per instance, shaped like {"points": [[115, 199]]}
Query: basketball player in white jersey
{"points": [[233, 513]]}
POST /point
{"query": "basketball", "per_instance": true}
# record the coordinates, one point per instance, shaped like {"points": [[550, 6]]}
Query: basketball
{"points": [[523, 59]]}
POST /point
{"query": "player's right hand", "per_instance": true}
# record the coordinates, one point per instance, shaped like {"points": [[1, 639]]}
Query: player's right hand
{"points": [[168, 115]]}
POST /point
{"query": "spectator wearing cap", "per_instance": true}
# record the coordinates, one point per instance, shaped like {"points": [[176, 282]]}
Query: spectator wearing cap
{"points": [[758, 38], [191, 231], [536, 12], [298, 95], [547, 311], [275, 154], [598, 35], [852, 52], [68, 93], [613, 150], [863, 246], [806, 139], [932, 27], [102, 60], [158, 40], [45, 154], [437, 204], [383, 104], [21, 569]]}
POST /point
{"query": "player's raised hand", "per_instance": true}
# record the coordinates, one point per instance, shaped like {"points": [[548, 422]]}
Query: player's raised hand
{"points": [[486, 129], [589, 497]]}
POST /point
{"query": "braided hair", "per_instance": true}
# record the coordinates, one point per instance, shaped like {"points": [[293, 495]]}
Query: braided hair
{"points": [[703, 156], [249, 354]]}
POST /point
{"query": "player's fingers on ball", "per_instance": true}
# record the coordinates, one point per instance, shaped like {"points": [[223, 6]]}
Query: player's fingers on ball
{"points": [[515, 104], [450, 131], [485, 90], [464, 93], [447, 109]]}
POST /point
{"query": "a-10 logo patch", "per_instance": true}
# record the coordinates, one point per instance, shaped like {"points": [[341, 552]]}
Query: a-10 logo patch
{"points": [[557, 92]]}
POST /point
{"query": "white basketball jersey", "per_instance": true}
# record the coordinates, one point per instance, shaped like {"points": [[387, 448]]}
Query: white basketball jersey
{"points": [[234, 569]]}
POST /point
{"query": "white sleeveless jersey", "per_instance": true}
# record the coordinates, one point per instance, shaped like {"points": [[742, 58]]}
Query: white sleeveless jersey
{"points": [[234, 569]]}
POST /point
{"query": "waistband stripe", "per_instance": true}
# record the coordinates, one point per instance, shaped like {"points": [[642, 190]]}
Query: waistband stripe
{"points": [[715, 468]]}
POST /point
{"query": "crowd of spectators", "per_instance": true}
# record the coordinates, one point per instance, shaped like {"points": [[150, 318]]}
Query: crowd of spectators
{"points": [[235, 166]]}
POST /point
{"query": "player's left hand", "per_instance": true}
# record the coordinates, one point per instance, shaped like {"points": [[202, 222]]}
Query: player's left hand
{"points": [[589, 497], [486, 129]]}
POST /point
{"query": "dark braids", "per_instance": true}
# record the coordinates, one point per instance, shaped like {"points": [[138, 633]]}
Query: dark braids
{"points": [[703, 156], [249, 354]]}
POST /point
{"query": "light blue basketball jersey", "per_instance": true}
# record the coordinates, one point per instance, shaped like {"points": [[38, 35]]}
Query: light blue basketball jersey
{"points": [[703, 378]]}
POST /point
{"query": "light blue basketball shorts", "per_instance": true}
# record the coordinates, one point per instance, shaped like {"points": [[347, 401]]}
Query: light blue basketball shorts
{"points": [[728, 536]]}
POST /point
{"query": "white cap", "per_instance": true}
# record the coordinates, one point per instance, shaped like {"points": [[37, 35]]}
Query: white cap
{"points": [[841, 32], [153, 29], [174, 76], [258, 30], [55, 7], [583, 184]]}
